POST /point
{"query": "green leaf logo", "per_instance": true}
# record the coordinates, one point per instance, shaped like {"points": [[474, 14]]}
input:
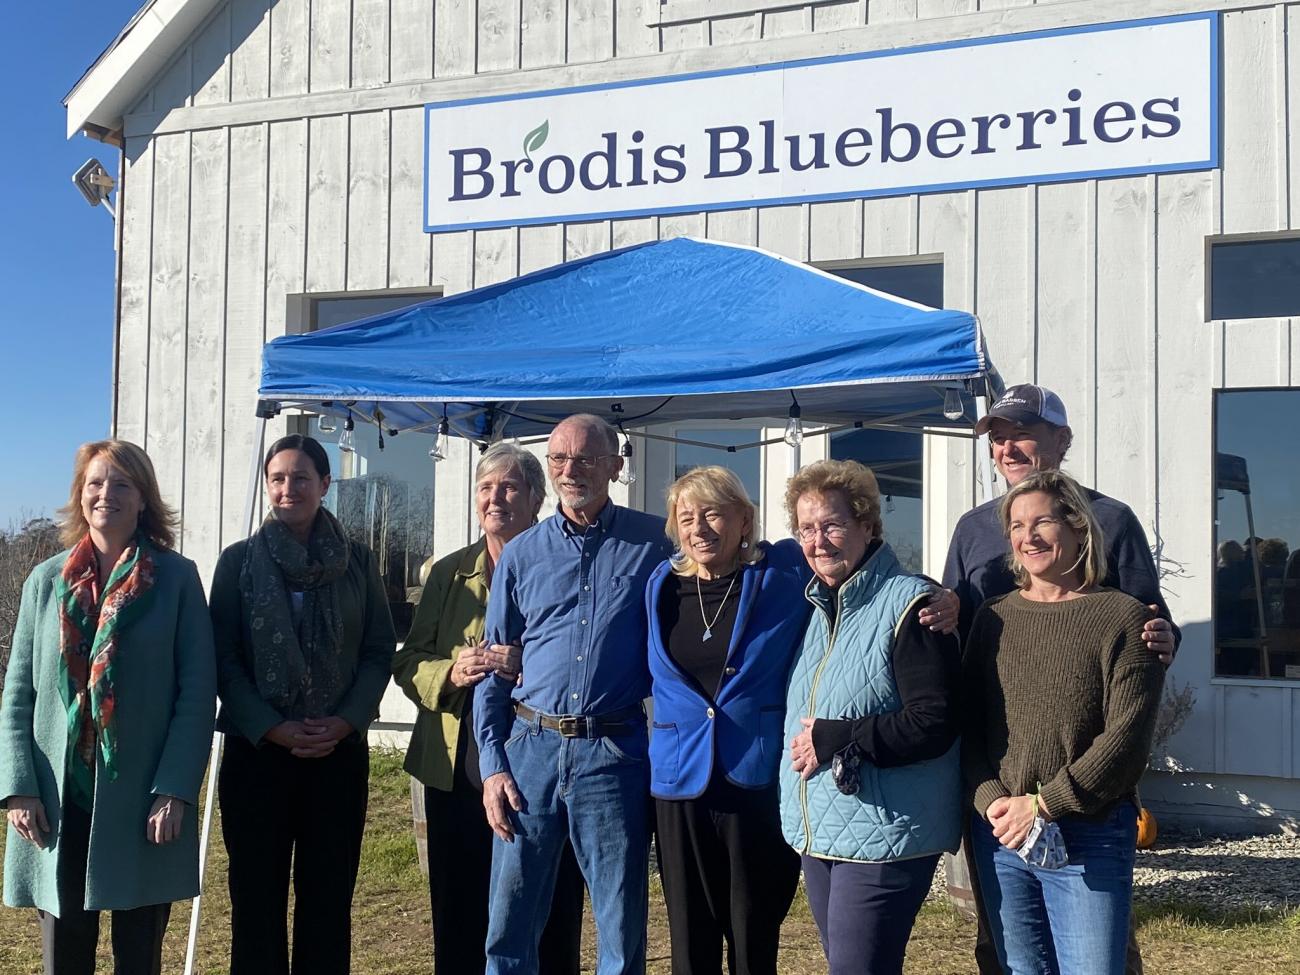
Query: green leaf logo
{"points": [[534, 139]]}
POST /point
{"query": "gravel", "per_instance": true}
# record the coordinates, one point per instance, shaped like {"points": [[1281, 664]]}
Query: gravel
{"points": [[1211, 872]]}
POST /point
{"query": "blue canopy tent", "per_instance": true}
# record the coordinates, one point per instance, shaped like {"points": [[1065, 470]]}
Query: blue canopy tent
{"points": [[652, 333]]}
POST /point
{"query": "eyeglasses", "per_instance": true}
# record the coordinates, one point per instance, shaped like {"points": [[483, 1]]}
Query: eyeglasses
{"points": [[561, 461], [833, 531]]}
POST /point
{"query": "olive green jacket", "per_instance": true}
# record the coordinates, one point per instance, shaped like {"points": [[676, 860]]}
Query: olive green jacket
{"points": [[166, 689], [450, 617]]}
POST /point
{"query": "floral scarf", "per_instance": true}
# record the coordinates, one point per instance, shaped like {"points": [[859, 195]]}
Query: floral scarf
{"points": [[296, 660], [90, 624]]}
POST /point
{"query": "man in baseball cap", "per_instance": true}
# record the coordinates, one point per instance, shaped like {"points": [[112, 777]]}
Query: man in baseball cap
{"points": [[1029, 430]]}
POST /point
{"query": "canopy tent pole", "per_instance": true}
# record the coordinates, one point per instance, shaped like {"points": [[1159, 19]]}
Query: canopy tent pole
{"points": [[218, 739], [982, 455]]}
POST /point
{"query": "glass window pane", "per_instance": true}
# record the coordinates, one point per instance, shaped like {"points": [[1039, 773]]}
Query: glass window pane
{"points": [[746, 464], [1257, 535], [335, 311], [1255, 279], [921, 283], [895, 459], [383, 498]]}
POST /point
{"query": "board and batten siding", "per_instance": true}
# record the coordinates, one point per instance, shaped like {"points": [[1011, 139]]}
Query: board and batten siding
{"points": [[281, 152]]}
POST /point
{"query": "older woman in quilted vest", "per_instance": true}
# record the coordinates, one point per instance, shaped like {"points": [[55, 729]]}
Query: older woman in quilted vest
{"points": [[871, 796]]}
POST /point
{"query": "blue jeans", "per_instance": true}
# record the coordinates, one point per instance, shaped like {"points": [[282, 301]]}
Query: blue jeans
{"points": [[595, 791], [1072, 921]]}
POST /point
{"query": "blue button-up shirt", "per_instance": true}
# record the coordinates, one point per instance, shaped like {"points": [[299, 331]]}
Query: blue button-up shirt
{"points": [[575, 599]]}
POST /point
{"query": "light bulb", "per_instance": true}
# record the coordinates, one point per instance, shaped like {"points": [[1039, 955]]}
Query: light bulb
{"points": [[952, 405], [347, 441], [628, 474], [326, 423], [442, 445], [794, 425]]}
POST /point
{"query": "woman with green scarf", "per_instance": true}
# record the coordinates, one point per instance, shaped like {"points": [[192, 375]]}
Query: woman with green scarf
{"points": [[304, 650], [106, 722]]}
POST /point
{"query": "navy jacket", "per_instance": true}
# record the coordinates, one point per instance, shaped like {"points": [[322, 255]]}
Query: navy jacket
{"points": [[742, 729]]}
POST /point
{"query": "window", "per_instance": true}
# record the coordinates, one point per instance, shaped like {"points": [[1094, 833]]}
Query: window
{"points": [[1257, 278], [894, 457], [1257, 535], [383, 498], [745, 464], [922, 283]]}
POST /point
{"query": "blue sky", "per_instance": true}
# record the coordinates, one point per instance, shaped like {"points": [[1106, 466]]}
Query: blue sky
{"points": [[56, 255]]}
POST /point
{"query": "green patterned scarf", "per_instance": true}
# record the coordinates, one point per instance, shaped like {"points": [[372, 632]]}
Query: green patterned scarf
{"points": [[89, 628]]}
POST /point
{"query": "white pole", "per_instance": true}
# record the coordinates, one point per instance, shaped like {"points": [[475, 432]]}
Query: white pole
{"points": [[983, 458], [218, 739]]}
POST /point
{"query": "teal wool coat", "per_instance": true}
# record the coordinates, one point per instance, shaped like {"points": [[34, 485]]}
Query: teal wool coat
{"points": [[166, 700]]}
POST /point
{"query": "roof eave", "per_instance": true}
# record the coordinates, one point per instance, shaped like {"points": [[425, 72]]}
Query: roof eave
{"points": [[119, 77]]}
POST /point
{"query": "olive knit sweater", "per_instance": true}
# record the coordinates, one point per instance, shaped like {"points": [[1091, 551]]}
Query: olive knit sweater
{"points": [[1060, 698]]}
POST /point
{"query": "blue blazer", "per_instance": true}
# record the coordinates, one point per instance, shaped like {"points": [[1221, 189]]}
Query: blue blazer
{"points": [[742, 730]]}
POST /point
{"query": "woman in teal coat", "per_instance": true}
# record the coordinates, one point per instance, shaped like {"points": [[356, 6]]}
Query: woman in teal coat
{"points": [[106, 722]]}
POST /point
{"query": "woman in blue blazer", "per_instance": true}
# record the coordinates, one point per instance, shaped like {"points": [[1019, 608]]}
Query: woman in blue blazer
{"points": [[726, 616]]}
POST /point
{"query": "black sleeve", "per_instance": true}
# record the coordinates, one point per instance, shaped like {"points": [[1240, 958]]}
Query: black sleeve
{"points": [[927, 672], [1133, 569]]}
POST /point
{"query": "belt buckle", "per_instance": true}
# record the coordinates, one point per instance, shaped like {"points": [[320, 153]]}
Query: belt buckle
{"points": [[572, 726]]}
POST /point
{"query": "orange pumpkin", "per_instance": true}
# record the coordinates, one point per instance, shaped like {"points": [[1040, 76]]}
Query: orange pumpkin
{"points": [[1146, 837]]}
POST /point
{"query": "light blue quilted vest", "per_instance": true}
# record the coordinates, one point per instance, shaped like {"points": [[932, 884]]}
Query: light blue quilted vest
{"points": [[845, 672]]}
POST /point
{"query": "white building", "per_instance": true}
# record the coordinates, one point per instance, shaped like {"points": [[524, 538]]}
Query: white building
{"points": [[272, 177]]}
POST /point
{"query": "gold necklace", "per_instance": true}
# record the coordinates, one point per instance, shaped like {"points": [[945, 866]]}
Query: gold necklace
{"points": [[708, 625]]}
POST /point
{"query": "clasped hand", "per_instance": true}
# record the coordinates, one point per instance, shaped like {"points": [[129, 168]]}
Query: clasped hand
{"points": [[474, 663], [1011, 818], [803, 756], [311, 737]]}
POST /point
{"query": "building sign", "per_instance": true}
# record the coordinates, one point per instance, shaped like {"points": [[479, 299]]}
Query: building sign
{"points": [[1078, 103]]}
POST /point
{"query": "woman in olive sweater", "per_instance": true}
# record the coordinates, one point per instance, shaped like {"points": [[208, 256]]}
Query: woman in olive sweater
{"points": [[1061, 700]]}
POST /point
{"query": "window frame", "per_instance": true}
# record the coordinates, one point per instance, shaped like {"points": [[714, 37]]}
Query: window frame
{"points": [[1212, 241], [1215, 678], [302, 309]]}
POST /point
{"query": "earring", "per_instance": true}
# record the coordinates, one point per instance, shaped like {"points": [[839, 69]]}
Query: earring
{"points": [[744, 544]]}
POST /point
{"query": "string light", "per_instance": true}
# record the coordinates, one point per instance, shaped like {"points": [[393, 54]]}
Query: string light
{"points": [[794, 425], [442, 446]]}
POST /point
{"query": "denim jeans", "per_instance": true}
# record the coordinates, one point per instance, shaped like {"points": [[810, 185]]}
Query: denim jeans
{"points": [[595, 791], [1072, 921]]}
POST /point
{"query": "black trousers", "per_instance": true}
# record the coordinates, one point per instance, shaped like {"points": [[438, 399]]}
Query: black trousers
{"points": [[865, 911], [278, 811], [728, 876], [68, 943], [460, 872]]}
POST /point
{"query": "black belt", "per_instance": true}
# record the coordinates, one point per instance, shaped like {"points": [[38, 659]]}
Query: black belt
{"points": [[610, 725]]}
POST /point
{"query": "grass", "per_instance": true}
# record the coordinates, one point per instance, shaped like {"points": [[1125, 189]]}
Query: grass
{"points": [[391, 919]]}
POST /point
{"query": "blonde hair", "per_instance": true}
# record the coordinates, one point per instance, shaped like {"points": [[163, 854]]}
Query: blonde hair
{"points": [[853, 480], [158, 520], [1070, 504], [710, 486]]}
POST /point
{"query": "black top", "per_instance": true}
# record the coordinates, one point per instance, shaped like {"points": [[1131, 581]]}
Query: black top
{"points": [[683, 626], [927, 673]]}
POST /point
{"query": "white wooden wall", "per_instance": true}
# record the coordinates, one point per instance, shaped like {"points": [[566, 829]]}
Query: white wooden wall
{"points": [[281, 152]]}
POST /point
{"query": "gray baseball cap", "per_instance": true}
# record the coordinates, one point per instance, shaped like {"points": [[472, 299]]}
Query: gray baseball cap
{"points": [[1025, 403]]}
